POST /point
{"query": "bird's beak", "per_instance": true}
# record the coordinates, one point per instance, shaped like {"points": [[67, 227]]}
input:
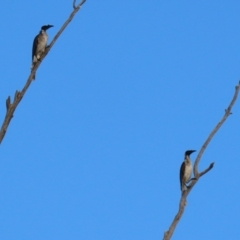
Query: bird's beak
{"points": [[189, 152]]}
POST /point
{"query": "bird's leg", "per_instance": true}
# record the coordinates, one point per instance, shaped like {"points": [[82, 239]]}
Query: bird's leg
{"points": [[191, 180]]}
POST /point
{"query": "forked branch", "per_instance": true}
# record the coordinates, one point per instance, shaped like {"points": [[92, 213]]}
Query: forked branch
{"points": [[168, 234], [11, 107], [79, 5]]}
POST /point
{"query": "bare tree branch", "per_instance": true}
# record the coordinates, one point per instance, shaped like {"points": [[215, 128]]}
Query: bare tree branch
{"points": [[224, 118], [11, 107], [80, 4], [206, 170], [74, 4], [168, 234]]}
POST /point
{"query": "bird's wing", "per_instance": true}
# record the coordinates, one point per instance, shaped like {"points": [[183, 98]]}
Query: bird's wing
{"points": [[181, 173], [34, 47]]}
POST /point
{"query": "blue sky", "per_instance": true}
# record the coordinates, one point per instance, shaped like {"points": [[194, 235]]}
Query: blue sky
{"points": [[95, 146]]}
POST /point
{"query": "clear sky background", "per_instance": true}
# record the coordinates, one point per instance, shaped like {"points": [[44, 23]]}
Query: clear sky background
{"points": [[94, 149]]}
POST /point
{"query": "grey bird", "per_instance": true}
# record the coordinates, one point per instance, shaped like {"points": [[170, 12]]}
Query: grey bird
{"points": [[39, 44], [186, 170]]}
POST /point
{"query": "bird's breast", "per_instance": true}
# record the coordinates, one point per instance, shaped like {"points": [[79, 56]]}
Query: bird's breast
{"points": [[188, 171], [43, 39]]}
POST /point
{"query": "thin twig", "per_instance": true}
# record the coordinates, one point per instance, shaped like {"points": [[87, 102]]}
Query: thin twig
{"points": [[206, 170], [168, 234], [80, 4], [74, 4], [11, 107]]}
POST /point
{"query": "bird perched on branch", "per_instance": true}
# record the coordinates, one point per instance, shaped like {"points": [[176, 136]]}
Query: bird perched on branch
{"points": [[39, 44], [186, 170]]}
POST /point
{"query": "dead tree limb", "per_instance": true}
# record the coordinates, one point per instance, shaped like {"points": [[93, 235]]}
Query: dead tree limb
{"points": [[80, 4], [11, 107], [168, 234]]}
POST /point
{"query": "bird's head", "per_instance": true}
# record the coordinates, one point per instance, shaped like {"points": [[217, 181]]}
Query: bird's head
{"points": [[189, 152], [46, 27]]}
